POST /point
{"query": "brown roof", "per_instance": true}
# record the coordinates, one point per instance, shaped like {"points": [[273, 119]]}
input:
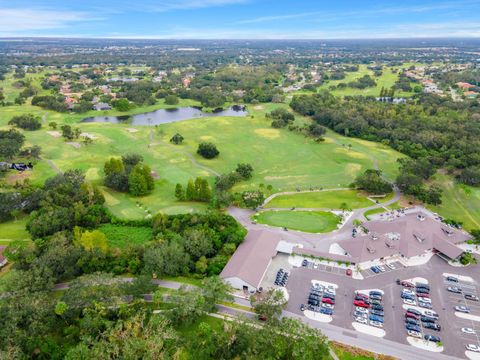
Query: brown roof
{"points": [[408, 236], [252, 257]]}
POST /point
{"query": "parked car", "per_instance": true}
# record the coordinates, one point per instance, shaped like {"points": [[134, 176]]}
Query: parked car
{"points": [[376, 297], [413, 328], [425, 305], [472, 347], [329, 296], [421, 290], [427, 319], [360, 303], [432, 326], [328, 301], [410, 302], [361, 320], [375, 292], [348, 272], [454, 289], [408, 291], [414, 311], [327, 306], [462, 309], [471, 297], [452, 279], [423, 295], [407, 284], [302, 307], [376, 324], [361, 309], [313, 302], [376, 318], [305, 263], [425, 300], [407, 296], [360, 314], [377, 307], [431, 314], [433, 338], [381, 268], [326, 311], [414, 333], [422, 285], [467, 330], [412, 321], [391, 266], [409, 314], [375, 269], [376, 312], [375, 302]]}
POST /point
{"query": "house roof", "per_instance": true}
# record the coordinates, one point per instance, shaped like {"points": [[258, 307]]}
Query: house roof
{"points": [[252, 257], [409, 235]]}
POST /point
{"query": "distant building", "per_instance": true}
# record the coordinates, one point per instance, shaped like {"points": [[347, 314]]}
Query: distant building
{"points": [[408, 236], [464, 85], [387, 99], [248, 265], [101, 107]]}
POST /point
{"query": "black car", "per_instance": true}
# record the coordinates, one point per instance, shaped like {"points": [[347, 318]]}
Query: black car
{"points": [[423, 286], [305, 263], [313, 302], [421, 290], [426, 319], [433, 338], [377, 307], [452, 279], [411, 321], [471, 297], [302, 307], [432, 326], [376, 312]]}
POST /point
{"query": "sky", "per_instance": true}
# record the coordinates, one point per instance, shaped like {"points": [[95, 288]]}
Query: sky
{"points": [[240, 19]]}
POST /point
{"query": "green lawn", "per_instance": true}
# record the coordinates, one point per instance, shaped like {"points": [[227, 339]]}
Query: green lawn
{"points": [[14, 230], [124, 236], [307, 221], [322, 199], [459, 202], [373, 212]]}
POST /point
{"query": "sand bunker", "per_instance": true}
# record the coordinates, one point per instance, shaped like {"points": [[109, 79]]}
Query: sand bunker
{"points": [[55, 134]]}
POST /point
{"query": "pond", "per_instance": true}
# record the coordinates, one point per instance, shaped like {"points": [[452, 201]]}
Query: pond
{"points": [[164, 116]]}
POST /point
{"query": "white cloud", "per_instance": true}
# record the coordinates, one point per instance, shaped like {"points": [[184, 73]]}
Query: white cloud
{"points": [[20, 20]]}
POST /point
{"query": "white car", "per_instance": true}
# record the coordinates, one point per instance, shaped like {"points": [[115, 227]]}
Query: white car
{"points": [[414, 334], [327, 306], [425, 300], [431, 314], [408, 291], [391, 266], [361, 320], [381, 268], [376, 324], [467, 330], [472, 347], [410, 302], [331, 292], [361, 309]]}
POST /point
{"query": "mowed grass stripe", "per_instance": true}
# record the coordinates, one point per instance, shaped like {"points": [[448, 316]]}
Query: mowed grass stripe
{"points": [[307, 221]]}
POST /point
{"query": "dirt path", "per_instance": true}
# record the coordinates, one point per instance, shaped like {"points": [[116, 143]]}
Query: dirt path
{"points": [[53, 166]]}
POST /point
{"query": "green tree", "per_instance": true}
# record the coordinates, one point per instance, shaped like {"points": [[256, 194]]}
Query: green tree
{"points": [[191, 193], [90, 240], [198, 243], [140, 180], [171, 100], [166, 259], [11, 141], [189, 306], [67, 132], [215, 290], [270, 305], [207, 150], [52, 125], [122, 105], [179, 192], [372, 182], [177, 139], [201, 265], [244, 171]]}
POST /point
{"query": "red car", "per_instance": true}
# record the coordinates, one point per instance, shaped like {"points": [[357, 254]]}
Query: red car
{"points": [[407, 284], [360, 295], [412, 315], [361, 304], [348, 272], [328, 301], [423, 295]]}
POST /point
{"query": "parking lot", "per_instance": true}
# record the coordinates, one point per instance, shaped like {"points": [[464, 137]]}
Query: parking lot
{"points": [[443, 302], [383, 269]]}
